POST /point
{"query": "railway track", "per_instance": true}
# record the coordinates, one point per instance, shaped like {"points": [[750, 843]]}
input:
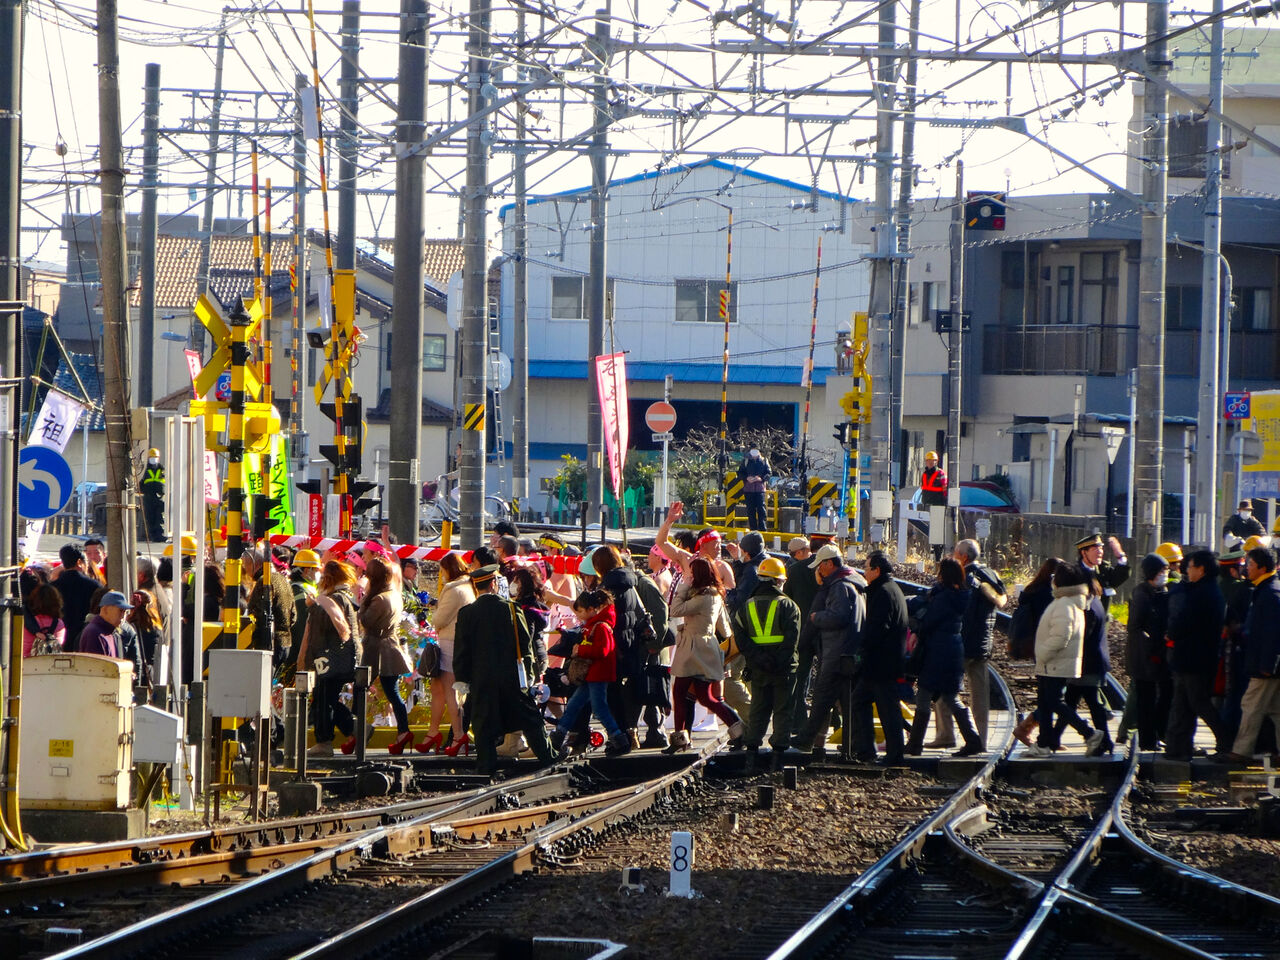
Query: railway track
{"points": [[982, 878], [374, 883]]}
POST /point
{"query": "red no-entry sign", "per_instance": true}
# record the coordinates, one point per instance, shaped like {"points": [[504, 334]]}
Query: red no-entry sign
{"points": [[660, 417]]}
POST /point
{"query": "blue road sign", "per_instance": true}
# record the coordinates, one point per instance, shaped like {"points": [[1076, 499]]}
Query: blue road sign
{"points": [[44, 482], [222, 390], [1235, 406]]}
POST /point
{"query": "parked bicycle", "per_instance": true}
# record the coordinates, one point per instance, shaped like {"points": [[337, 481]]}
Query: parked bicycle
{"points": [[440, 503]]}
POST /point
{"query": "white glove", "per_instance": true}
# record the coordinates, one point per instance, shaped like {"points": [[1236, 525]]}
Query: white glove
{"points": [[1231, 541], [461, 689]]}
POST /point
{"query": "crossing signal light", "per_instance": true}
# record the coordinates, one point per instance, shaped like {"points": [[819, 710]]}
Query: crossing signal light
{"points": [[362, 503], [310, 486], [984, 211], [351, 424], [263, 519], [844, 433]]}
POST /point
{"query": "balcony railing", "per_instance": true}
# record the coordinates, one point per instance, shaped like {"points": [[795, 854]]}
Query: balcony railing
{"points": [[1255, 354], [1074, 349]]}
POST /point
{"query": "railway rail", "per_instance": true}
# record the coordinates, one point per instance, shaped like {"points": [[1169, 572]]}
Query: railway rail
{"points": [[402, 875]]}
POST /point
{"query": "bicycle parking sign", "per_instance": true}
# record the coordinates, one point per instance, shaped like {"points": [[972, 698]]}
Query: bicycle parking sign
{"points": [[1235, 406]]}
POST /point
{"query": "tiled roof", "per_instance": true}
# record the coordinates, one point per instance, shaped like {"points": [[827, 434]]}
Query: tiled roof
{"points": [[178, 261], [443, 259], [432, 412], [228, 286], [66, 383]]}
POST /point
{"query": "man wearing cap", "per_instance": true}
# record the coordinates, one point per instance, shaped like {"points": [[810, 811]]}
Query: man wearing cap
{"points": [[801, 586], [302, 587], [1242, 525], [99, 634], [933, 490], [750, 551], [767, 628], [152, 487], [839, 611], [493, 663], [753, 473]]}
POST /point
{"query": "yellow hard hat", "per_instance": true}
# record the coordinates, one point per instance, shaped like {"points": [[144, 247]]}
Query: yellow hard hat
{"points": [[1256, 542], [307, 558], [153, 454], [1171, 552], [1275, 528], [188, 546], [771, 568], [931, 455]]}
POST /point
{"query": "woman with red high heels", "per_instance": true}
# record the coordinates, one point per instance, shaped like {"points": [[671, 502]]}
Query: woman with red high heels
{"points": [[454, 595], [330, 648], [380, 614]]}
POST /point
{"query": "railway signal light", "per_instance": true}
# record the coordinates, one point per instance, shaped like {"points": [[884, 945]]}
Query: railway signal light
{"points": [[362, 503], [344, 452], [984, 211]]}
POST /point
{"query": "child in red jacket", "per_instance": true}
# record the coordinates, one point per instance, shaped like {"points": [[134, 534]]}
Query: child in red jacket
{"points": [[595, 609]]}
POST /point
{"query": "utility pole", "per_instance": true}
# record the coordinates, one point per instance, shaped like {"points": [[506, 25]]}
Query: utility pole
{"points": [[881, 305], [407, 299], [1149, 466], [955, 395], [520, 301], [298, 359], [115, 343], [10, 385], [147, 254], [210, 178], [348, 103], [902, 271], [1206, 488], [598, 151], [475, 320]]}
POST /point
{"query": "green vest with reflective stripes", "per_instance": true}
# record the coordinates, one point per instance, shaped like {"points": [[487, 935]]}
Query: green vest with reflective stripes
{"points": [[763, 636]]}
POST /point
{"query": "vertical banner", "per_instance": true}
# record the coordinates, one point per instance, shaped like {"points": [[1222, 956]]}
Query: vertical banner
{"points": [[611, 384], [315, 515], [282, 512], [52, 428], [212, 489], [195, 366]]}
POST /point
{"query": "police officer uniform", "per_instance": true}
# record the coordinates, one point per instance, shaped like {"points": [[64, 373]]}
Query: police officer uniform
{"points": [[767, 628]]}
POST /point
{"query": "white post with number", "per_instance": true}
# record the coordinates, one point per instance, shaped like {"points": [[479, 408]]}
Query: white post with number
{"points": [[681, 864]]}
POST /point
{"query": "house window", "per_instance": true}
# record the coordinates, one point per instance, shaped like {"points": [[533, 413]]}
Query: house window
{"points": [[1099, 288], [698, 301], [1182, 307], [433, 352], [1064, 310], [1253, 309], [570, 298], [1019, 270]]}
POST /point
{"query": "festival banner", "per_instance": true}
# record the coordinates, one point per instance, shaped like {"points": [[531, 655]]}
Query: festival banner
{"points": [[611, 384], [52, 428]]}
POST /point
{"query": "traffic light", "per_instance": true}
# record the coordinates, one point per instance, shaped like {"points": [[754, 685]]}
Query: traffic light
{"points": [[264, 520], [984, 210], [844, 433], [358, 490], [346, 460], [310, 486]]}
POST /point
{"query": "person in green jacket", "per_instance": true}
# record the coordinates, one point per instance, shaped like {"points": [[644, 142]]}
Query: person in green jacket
{"points": [[767, 630]]}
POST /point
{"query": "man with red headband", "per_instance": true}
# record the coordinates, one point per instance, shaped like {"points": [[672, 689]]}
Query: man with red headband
{"points": [[707, 546]]}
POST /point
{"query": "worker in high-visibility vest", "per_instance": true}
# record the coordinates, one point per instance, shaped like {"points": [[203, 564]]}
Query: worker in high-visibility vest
{"points": [[153, 485], [767, 630], [933, 483]]}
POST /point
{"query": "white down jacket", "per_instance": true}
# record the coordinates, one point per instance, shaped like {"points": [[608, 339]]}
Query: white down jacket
{"points": [[1060, 635]]}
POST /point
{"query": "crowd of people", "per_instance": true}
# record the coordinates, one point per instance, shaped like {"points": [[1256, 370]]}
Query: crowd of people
{"points": [[513, 650]]}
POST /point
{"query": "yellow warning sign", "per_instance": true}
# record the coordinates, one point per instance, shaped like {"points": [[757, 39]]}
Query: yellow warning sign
{"points": [[62, 748], [473, 416]]}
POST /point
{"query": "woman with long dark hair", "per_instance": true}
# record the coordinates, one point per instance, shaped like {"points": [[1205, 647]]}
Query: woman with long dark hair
{"points": [[698, 663], [624, 694], [379, 617], [1032, 603], [330, 648], [43, 631]]}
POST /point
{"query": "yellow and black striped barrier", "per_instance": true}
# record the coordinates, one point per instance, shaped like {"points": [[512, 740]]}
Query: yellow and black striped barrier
{"points": [[473, 416], [820, 490]]}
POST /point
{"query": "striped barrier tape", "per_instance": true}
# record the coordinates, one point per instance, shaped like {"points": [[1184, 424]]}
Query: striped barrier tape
{"points": [[406, 552]]}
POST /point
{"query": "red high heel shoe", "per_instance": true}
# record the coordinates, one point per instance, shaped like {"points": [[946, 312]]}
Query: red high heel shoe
{"points": [[350, 746], [405, 739], [462, 743], [430, 743]]}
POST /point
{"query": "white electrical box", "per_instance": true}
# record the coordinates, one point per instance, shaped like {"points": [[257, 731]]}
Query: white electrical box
{"points": [[881, 505], [239, 683], [157, 736], [76, 732]]}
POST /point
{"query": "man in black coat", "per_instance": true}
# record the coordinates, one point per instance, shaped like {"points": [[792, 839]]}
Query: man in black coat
{"points": [[1196, 615], [977, 629], [884, 640], [77, 589], [1243, 524], [492, 650], [802, 587], [1261, 654]]}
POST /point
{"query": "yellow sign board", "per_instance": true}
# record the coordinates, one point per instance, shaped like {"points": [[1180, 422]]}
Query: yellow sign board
{"points": [[211, 317], [62, 748], [261, 423], [1264, 405]]}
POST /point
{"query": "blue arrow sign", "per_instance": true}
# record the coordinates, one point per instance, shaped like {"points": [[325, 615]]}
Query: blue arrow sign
{"points": [[44, 482]]}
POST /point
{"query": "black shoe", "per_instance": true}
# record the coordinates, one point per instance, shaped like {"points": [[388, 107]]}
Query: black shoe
{"points": [[617, 746], [865, 758], [557, 741], [891, 762], [654, 740], [970, 750], [779, 761]]}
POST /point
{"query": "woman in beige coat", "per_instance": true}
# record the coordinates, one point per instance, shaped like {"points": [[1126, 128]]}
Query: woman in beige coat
{"points": [[1059, 653], [454, 595], [698, 663]]}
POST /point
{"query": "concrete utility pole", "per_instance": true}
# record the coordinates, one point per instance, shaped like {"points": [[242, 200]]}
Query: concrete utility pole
{"points": [[520, 302], [348, 103], [147, 253], [10, 372], [902, 273], [1149, 465], [596, 284], [115, 340], [407, 299], [955, 367], [881, 305], [1206, 487], [475, 319], [210, 178], [298, 451]]}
